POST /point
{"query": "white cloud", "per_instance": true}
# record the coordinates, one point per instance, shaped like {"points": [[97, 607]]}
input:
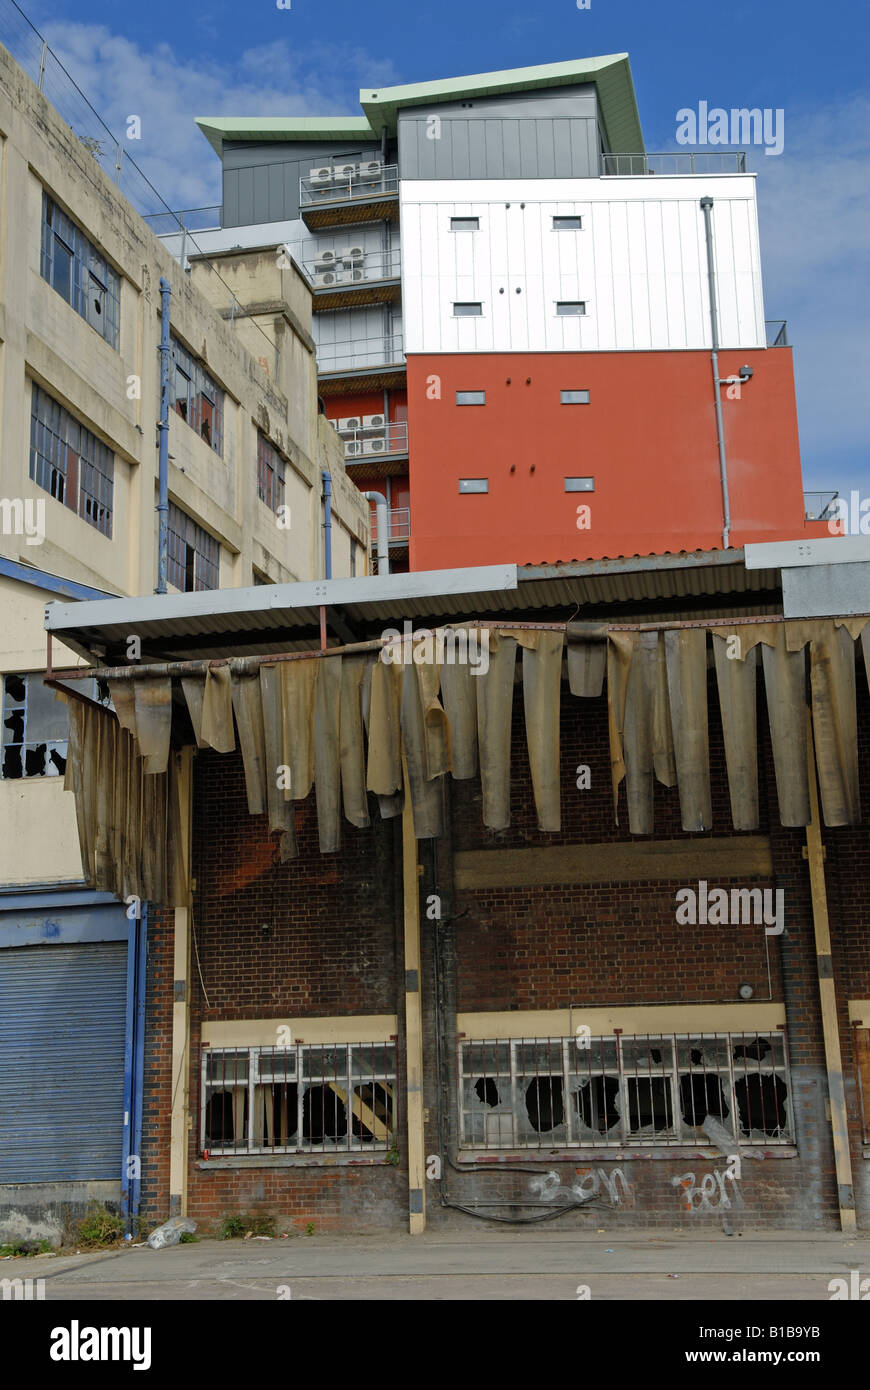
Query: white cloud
{"points": [[814, 214], [167, 91]]}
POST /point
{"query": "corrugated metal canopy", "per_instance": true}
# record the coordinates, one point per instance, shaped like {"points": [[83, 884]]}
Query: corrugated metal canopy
{"points": [[286, 617]]}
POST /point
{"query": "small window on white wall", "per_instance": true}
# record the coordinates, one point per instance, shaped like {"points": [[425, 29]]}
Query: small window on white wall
{"points": [[567, 307], [465, 224], [468, 309], [567, 224]]}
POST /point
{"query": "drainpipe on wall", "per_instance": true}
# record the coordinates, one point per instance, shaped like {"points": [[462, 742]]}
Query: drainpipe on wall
{"points": [[163, 436], [382, 512], [707, 209], [327, 524]]}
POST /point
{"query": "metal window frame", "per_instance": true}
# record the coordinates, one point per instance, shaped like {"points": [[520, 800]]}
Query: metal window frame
{"points": [[573, 1076], [185, 532], [201, 385], [566, 217], [86, 262], [60, 745], [473, 304], [271, 473], [454, 220], [575, 391], [303, 1076], [481, 394], [571, 308], [88, 487]]}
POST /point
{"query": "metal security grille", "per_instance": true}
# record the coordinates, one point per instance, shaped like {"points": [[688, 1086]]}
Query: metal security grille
{"points": [[70, 463], [194, 555], [303, 1099], [623, 1089], [270, 474], [73, 266]]}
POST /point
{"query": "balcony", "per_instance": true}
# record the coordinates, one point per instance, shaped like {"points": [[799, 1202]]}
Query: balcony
{"points": [[399, 523], [344, 195], [354, 277], [360, 364], [165, 224], [371, 438], [775, 332], [821, 506], [672, 164]]}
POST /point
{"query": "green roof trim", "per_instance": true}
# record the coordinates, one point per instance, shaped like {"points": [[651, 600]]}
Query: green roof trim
{"points": [[218, 130], [610, 74]]}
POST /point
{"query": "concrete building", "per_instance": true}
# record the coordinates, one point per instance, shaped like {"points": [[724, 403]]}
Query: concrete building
{"points": [[251, 460], [514, 316]]}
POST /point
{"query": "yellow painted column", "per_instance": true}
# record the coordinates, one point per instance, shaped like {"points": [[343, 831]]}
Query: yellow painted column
{"points": [[828, 998], [180, 1113], [411, 871]]}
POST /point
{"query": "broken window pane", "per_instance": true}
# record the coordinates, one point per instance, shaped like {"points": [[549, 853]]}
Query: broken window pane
{"points": [[33, 729], [544, 1104]]}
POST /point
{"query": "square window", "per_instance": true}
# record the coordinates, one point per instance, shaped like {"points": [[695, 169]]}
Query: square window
{"points": [[471, 398], [574, 397], [567, 224], [465, 224], [468, 310], [474, 484], [566, 307]]}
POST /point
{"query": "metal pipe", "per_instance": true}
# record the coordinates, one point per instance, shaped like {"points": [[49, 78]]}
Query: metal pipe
{"points": [[327, 524], [382, 512], [248, 664], [163, 436], [707, 209]]}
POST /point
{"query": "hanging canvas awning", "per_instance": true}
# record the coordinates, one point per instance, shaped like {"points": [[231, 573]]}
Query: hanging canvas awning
{"points": [[393, 719]]}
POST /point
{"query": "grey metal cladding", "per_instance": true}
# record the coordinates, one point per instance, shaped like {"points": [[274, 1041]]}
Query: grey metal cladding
{"points": [[530, 135], [261, 182]]}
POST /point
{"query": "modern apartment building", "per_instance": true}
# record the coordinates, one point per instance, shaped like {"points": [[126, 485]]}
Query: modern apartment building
{"points": [[249, 464], [513, 316]]}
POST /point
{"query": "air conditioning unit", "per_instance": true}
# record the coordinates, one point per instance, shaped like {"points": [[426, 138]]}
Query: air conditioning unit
{"points": [[318, 177], [372, 169], [342, 173], [375, 446], [352, 253], [327, 277], [373, 422], [354, 276], [325, 259], [351, 447], [351, 423]]}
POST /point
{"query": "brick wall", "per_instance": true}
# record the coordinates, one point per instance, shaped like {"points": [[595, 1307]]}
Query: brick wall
{"points": [[335, 941]]}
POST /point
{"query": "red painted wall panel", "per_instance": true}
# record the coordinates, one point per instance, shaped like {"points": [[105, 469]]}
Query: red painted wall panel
{"points": [[648, 437]]}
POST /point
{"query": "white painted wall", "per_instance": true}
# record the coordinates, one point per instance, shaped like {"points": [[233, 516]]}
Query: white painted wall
{"points": [[639, 263]]}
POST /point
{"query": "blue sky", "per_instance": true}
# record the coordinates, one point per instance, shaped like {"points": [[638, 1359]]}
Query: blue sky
{"points": [[171, 60]]}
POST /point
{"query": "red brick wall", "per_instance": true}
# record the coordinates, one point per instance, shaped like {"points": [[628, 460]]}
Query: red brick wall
{"points": [[333, 950]]}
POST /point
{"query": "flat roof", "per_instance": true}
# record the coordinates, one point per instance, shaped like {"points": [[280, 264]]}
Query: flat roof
{"points": [[611, 75]]}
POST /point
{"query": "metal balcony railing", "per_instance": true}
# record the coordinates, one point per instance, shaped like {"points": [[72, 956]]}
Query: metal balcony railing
{"points": [[671, 162], [370, 436], [362, 354], [819, 506], [400, 525], [775, 332], [352, 265], [354, 181]]}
